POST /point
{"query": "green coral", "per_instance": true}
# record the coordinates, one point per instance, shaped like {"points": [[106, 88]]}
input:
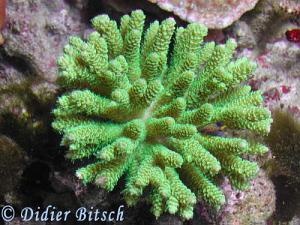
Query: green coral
{"points": [[139, 111]]}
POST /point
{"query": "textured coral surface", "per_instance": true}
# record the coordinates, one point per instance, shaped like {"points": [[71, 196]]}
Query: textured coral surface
{"points": [[137, 113]]}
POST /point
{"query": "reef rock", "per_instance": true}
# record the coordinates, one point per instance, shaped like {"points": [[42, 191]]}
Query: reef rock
{"points": [[253, 206], [12, 161], [268, 15], [168, 220], [36, 31], [284, 142], [213, 14], [278, 75]]}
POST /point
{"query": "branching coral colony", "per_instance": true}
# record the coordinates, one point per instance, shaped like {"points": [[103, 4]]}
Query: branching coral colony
{"points": [[140, 115]]}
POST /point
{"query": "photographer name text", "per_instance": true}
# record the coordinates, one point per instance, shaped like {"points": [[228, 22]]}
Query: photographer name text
{"points": [[52, 213]]}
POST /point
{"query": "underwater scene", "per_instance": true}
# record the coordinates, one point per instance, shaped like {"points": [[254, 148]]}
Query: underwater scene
{"points": [[150, 112]]}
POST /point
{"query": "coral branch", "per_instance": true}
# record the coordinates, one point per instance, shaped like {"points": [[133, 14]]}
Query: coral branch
{"points": [[138, 114]]}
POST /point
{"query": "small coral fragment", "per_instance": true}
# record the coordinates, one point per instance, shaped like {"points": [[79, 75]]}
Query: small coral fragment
{"points": [[139, 114]]}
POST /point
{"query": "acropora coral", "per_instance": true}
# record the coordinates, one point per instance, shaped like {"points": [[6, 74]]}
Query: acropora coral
{"points": [[138, 109]]}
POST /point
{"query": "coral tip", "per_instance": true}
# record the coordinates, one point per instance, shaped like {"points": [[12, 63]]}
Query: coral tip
{"points": [[293, 35]]}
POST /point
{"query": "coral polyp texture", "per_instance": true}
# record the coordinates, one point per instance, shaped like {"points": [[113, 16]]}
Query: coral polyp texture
{"points": [[140, 112]]}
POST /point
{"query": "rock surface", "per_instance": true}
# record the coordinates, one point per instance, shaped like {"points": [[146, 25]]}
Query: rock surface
{"points": [[37, 30], [214, 14], [12, 163], [253, 206]]}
